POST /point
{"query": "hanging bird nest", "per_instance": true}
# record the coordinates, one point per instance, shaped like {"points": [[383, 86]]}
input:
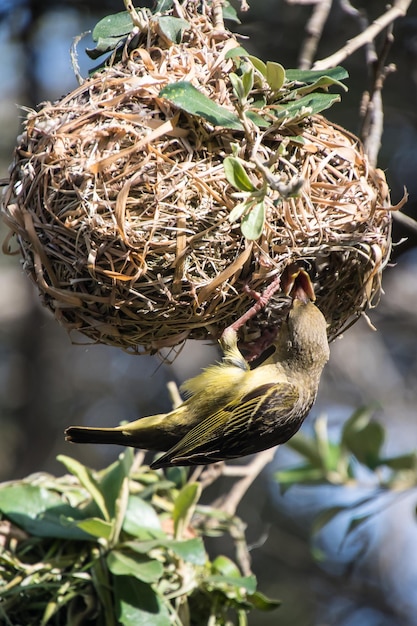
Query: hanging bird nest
{"points": [[142, 215]]}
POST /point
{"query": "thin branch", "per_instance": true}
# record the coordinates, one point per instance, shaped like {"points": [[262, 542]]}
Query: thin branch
{"points": [[405, 220], [229, 503], [372, 113], [399, 9], [314, 30]]}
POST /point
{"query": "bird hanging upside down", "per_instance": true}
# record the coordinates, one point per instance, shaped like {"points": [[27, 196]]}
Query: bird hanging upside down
{"points": [[232, 410]]}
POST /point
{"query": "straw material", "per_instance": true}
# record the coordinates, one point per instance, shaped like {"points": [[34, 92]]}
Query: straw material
{"points": [[119, 203]]}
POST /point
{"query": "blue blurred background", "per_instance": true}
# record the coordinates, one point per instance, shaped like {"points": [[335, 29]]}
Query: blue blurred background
{"points": [[365, 578]]}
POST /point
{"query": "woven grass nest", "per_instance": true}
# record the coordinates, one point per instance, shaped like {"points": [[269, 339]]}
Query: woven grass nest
{"points": [[120, 201]]}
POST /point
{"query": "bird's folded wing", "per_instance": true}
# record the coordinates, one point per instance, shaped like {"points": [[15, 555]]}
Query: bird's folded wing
{"points": [[235, 429]]}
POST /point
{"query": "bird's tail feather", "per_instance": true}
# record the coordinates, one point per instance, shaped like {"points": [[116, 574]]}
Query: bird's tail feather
{"points": [[84, 434]]}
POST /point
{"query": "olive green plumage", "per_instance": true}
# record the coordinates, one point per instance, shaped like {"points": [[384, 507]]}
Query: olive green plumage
{"points": [[232, 410]]}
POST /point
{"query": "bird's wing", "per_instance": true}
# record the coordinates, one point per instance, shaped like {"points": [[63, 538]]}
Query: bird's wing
{"points": [[263, 418]]}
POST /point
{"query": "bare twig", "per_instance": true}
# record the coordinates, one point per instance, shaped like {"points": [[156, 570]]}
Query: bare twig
{"points": [[314, 31], [405, 220], [399, 9], [138, 17], [229, 503], [371, 112]]}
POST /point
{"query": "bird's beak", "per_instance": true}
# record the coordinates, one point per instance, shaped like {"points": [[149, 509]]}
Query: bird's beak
{"points": [[297, 284]]}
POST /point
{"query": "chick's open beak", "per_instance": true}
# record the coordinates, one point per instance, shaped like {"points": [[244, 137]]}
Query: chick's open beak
{"points": [[297, 284]]}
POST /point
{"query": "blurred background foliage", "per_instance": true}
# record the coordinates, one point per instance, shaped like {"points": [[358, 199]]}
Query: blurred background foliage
{"points": [[322, 573]]}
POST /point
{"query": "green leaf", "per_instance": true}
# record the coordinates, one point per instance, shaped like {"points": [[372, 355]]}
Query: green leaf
{"points": [[300, 474], [252, 224], [356, 522], [113, 483], [139, 516], [184, 506], [40, 512], [190, 550], [238, 51], [263, 603], [96, 527], [323, 83], [248, 583], [258, 64], [247, 80], [88, 481], [364, 438], [236, 174], [367, 444], [113, 26], [173, 27], [356, 422], [105, 44], [257, 119], [306, 447], [229, 12], [238, 210], [401, 462], [334, 75], [141, 567], [224, 566], [187, 98], [163, 6], [325, 517], [237, 85], [137, 604], [275, 75], [305, 106]]}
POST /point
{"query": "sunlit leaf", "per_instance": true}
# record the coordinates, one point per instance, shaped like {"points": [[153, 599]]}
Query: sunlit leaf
{"points": [[237, 86], [236, 52], [190, 550], [186, 97], [229, 12], [89, 482], [184, 506], [163, 6], [113, 26], [173, 27], [305, 106], [40, 512], [275, 75], [225, 567], [257, 119], [140, 515], [142, 567], [96, 527], [238, 210], [258, 64], [248, 583], [237, 175], [253, 221], [333, 75], [247, 81]]}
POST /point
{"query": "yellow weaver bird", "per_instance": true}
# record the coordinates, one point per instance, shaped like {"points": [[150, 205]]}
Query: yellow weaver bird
{"points": [[232, 410]]}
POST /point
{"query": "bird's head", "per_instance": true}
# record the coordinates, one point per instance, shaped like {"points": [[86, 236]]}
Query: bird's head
{"points": [[297, 284], [306, 327]]}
